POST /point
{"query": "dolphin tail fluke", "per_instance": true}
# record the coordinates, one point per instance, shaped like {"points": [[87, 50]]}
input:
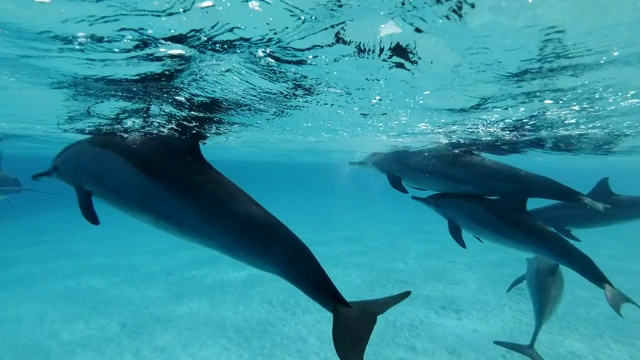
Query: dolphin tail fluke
{"points": [[526, 350], [352, 327], [593, 204], [617, 298]]}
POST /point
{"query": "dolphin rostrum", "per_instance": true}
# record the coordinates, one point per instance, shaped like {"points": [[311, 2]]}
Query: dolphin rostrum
{"points": [[168, 183], [563, 217], [507, 222], [443, 169], [546, 284], [10, 185]]}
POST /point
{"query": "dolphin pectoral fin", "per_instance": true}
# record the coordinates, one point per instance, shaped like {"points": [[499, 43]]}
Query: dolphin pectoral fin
{"points": [[396, 182], [352, 326], [85, 202], [43, 174], [617, 298], [516, 282], [600, 206], [478, 238], [526, 350], [456, 233], [566, 233], [417, 188]]}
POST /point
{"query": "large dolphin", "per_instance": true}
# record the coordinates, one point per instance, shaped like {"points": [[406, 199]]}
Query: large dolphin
{"points": [[10, 185], [168, 183], [546, 284], [563, 217], [460, 171], [507, 222]]}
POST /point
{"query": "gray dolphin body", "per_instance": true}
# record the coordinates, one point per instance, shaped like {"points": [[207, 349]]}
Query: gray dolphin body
{"points": [[506, 221], [443, 169], [563, 217], [10, 185], [168, 183], [546, 285]]}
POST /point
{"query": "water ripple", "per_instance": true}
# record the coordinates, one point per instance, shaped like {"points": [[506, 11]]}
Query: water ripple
{"points": [[505, 77]]}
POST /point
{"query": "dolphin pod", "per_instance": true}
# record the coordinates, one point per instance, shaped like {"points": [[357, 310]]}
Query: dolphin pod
{"points": [[168, 183], [546, 284], [488, 199]]}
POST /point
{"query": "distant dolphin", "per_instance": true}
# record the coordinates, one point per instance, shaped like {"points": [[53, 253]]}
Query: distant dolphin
{"points": [[10, 185], [506, 221], [546, 284], [564, 216], [442, 169], [168, 183]]}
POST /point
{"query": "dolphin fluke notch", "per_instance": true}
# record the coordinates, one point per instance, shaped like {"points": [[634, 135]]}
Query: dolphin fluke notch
{"points": [[526, 350], [617, 298], [353, 326]]}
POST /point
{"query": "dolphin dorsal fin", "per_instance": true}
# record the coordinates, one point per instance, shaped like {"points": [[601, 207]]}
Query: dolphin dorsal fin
{"points": [[189, 147], [514, 202], [194, 149], [601, 189]]}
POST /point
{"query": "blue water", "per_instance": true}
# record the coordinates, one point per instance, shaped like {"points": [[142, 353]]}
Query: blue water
{"points": [[285, 97]]}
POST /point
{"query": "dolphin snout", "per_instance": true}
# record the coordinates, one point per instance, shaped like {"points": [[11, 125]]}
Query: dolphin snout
{"points": [[43, 174]]}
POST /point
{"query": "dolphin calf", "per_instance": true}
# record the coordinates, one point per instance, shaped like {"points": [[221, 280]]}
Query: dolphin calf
{"points": [[563, 217], [460, 171], [546, 284], [507, 222], [167, 182], [10, 185]]}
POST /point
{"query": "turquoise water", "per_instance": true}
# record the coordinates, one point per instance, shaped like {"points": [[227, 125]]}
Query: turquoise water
{"points": [[286, 97]]}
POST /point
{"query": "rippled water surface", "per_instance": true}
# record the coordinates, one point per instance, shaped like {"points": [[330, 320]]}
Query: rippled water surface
{"points": [[327, 76]]}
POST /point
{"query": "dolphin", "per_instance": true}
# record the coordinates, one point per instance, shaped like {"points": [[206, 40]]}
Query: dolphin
{"points": [[563, 217], [167, 183], [462, 171], [546, 284], [506, 221], [10, 185]]}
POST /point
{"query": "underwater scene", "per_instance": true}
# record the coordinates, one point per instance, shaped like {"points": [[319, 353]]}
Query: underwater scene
{"points": [[348, 180]]}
